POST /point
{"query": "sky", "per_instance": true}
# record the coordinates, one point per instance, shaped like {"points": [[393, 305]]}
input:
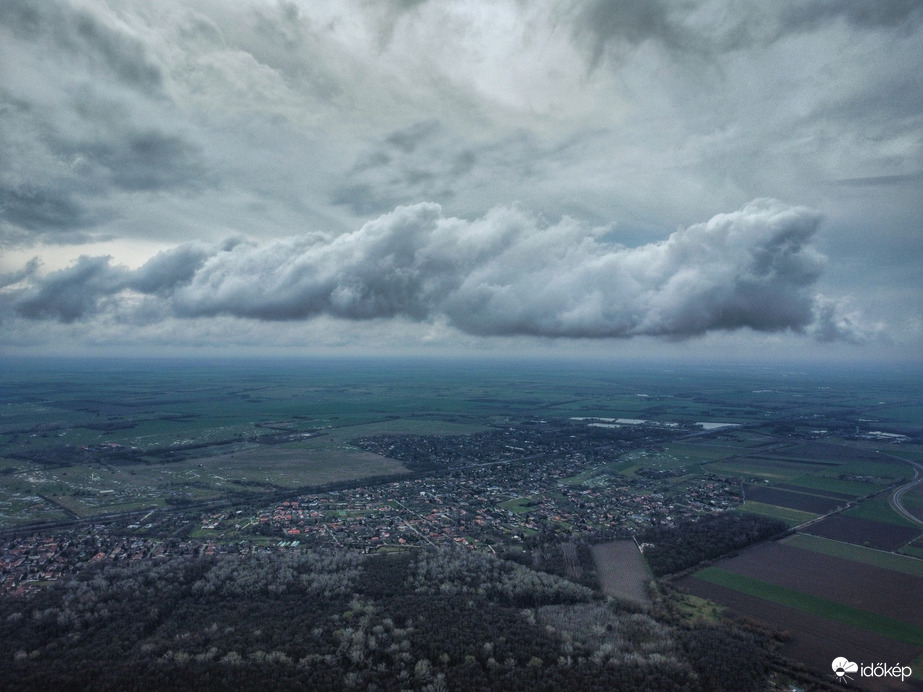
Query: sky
{"points": [[616, 178]]}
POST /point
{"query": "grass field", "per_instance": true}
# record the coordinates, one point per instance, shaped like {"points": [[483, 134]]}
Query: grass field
{"points": [[93, 488], [519, 505], [792, 517], [832, 610], [856, 553], [687, 453], [695, 611], [623, 572], [833, 484], [878, 509], [158, 406], [772, 469]]}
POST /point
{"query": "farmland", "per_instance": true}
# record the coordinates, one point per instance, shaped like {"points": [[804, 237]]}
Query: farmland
{"points": [[530, 462], [622, 570], [840, 584]]}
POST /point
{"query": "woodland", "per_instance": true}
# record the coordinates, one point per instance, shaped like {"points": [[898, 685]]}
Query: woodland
{"points": [[432, 619]]}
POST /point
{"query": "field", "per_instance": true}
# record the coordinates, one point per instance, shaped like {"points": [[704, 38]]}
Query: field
{"points": [[839, 586], [88, 439], [81, 438], [622, 570], [865, 532], [812, 639], [855, 553], [828, 596], [792, 517], [858, 585], [804, 502]]}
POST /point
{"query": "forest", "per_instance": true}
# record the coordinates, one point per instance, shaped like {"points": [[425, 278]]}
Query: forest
{"points": [[671, 549], [433, 619]]}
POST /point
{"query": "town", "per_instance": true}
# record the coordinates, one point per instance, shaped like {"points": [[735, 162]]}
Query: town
{"points": [[496, 491]]}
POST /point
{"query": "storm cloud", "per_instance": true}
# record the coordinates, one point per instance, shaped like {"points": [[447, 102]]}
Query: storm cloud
{"points": [[503, 274], [452, 176]]}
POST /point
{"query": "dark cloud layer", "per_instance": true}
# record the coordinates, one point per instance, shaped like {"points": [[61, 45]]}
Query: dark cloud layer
{"points": [[616, 25], [82, 39], [503, 274], [75, 124], [137, 126]]}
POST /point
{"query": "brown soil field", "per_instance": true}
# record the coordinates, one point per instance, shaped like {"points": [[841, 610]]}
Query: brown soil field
{"points": [[785, 498], [862, 586], [814, 641], [622, 570], [863, 532]]}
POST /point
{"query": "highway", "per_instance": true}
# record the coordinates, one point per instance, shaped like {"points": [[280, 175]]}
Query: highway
{"points": [[897, 497]]}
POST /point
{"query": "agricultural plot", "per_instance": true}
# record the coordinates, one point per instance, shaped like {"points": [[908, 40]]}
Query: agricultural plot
{"points": [[812, 639], [856, 553], [821, 491], [859, 585], [692, 453], [89, 489], [623, 573], [879, 510], [792, 517], [865, 532], [832, 486], [898, 630], [763, 467], [801, 501], [829, 597], [913, 502]]}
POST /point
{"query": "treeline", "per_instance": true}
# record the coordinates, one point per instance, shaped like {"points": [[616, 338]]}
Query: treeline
{"points": [[424, 620], [675, 548]]}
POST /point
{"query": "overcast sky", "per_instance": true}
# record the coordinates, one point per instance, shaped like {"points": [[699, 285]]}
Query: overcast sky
{"points": [[622, 177]]}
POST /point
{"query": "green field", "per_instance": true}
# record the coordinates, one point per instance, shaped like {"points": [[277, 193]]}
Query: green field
{"points": [[691, 453], [792, 517], [833, 484], [519, 505], [762, 468], [856, 553], [193, 427], [839, 612], [92, 488], [878, 509]]}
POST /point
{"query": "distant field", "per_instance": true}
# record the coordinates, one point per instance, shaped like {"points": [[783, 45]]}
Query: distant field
{"points": [[856, 553], [792, 517], [773, 469], [878, 509], [902, 414], [865, 532], [692, 453], [92, 488], [826, 608], [859, 585], [833, 485], [291, 467], [622, 570], [800, 501], [519, 505]]}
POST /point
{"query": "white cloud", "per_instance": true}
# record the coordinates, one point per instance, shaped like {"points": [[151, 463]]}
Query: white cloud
{"points": [[125, 121], [505, 274]]}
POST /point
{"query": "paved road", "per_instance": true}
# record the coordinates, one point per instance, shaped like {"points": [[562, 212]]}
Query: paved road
{"points": [[897, 497]]}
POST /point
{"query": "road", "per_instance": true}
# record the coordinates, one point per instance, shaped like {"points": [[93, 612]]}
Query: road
{"points": [[897, 497]]}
